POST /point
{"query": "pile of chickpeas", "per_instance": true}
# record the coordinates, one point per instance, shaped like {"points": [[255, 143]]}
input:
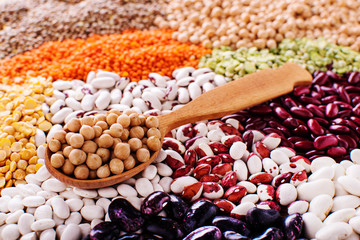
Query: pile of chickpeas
{"points": [[105, 144], [262, 23]]}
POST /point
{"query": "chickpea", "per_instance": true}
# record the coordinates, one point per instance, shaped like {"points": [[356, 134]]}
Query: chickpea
{"points": [[93, 161], [60, 135], [76, 140], [98, 131], [152, 122], [81, 172], [88, 120], [73, 125], [129, 111], [103, 171], [135, 144], [89, 146], [129, 163], [105, 141], [87, 132], [68, 136], [116, 130], [100, 117], [116, 141], [153, 143], [137, 132], [68, 167], [116, 166], [125, 134], [134, 119], [124, 120], [142, 119], [67, 150], [77, 156], [111, 118], [54, 145], [57, 160], [104, 154], [102, 124], [122, 150], [142, 155], [92, 174], [117, 112]]}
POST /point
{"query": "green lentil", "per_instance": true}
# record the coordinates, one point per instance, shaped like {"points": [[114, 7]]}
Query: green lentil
{"points": [[311, 54]]}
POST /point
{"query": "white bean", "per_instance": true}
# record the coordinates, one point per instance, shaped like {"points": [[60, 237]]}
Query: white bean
{"points": [[74, 204], [74, 218], [204, 78], [90, 76], [61, 85], [103, 82], [127, 99], [60, 208], [73, 103], [194, 90], [144, 187], [53, 185], [71, 232], [42, 224], [60, 116], [219, 80], [200, 71], [140, 103], [48, 234], [308, 191], [58, 94], [56, 106], [44, 211], [126, 190], [185, 81], [92, 212], [108, 192], [321, 205], [342, 215], [183, 95], [312, 224], [207, 87], [25, 222], [103, 100], [115, 95], [152, 101], [321, 162], [75, 114], [338, 230], [10, 232]]}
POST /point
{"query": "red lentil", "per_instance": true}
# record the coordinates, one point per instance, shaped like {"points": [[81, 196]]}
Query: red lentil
{"points": [[133, 53]]}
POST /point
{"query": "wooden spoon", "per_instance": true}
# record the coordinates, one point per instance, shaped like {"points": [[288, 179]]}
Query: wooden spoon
{"points": [[234, 96]]}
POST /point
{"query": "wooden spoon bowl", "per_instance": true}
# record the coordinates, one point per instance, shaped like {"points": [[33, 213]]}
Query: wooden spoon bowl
{"points": [[234, 96]]}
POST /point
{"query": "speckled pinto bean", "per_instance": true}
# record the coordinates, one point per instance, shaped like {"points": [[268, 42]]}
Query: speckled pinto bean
{"points": [[97, 146]]}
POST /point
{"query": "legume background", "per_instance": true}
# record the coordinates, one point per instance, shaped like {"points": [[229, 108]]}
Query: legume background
{"points": [[88, 78]]}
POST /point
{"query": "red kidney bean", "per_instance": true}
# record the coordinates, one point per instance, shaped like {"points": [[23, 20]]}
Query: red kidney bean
{"points": [[315, 110], [301, 112], [280, 127], [329, 99], [349, 140], [273, 130], [343, 94], [356, 120], [229, 180], [253, 119], [289, 102], [343, 105], [306, 100], [318, 90], [261, 177], [354, 78], [336, 151], [248, 138], [356, 109], [286, 143], [338, 121], [339, 129], [291, 122], [322, 121], [323, 142], [354, 134], [351, 124], [281, 113], [256, 125], [304, 145], [328, 90], [333, 75], [352, 89], [355, 100], [237, 116], [260, 109], [315, 152], [298, 91], [331, 110], [301, 130], [320, 78], [315, 127], [344, 113], [295, 139]]}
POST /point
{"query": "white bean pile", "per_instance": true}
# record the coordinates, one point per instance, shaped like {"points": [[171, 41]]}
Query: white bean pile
{"points": [[45, 208]]}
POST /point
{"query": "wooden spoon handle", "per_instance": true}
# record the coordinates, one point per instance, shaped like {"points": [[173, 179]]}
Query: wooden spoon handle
{"points": [[237, 95]]}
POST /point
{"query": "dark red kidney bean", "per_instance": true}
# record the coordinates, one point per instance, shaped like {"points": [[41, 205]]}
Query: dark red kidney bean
{"points": [[356, 109], [318, 90], [293, 225], [225, 223], [198, 214], [204, 233], [333, 75], [320, 78], [270, 118], [339, 129], [316, 95], [231, 235], [253, 120], [355, 100], [301, 112], [344, 113], [354, 78], [354, 134], [343, 143], [248, 138], [291, 123], [154, 203], [295, 139], [352, 89], [336, 151], [164, 227], [315, 152], [329, 99], [301, 130], [339, 121], [280, 127], [286, 143], [349, 140], [301, 90], [323, 142], [328, 90], [315, 127], [260, 109], [306, 100], [273, 130], [315, 110], [304, 145], [315, 156], [256, 125], [343, 94], [289, 102], [343, 105], [331, 110], [258, 219], [281, 113], [356, 120]]}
